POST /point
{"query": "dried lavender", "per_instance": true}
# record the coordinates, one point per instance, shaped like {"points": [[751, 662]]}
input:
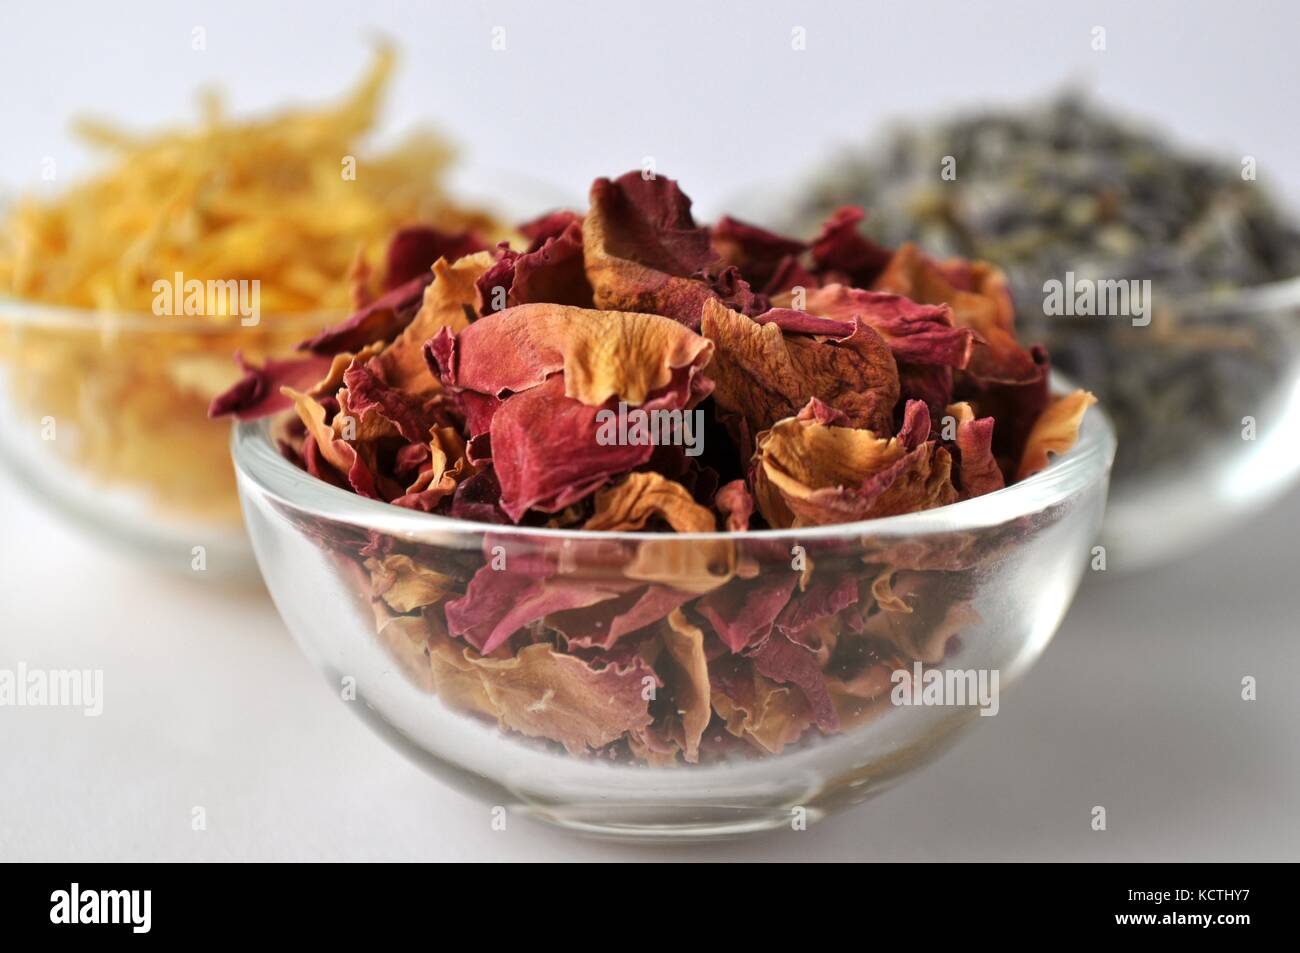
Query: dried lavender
{"points": [[1066, 189]]}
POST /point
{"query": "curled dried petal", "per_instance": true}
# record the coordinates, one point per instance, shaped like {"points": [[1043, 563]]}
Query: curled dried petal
{"points": [[757, 709], [685, 643], [405, 584], [1055, 431], [809, 473], [784, 661], [763, 374], [916, 333], [542, 693], [922, 615], [338, 452], [412, 251], [642, 248], [447, 303], [977, 470], [979, 301], [840, 249], [736, 504], [258, 392], [756, 252], [640, 497]]}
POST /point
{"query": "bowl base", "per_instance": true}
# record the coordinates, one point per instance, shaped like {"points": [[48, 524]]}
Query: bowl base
{"points": [[668, 822]]}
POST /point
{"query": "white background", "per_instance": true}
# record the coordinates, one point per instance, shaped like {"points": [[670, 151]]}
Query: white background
{"points": [[1136, 705], [712, 90]]}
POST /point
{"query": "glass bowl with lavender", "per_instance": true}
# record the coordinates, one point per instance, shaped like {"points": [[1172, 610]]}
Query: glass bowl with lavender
{"points": [[652, 529], [1166, 282]]}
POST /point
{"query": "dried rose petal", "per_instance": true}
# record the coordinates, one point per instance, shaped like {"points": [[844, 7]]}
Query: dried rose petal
{"points": [[380, 320], [1054, 432], [500, 600], [548, 451], [440, 474], [478, 498], [447, 303], [542, 693], [916, 425], [644, 496], [257, 393], [743, 613], [925, 617], [338, 452], [809, 473], [841, 250], [977, 470], [690, 681], [784, 661], [826, 595], [1014, 406], [411, 416], [736, 502], [915, 333], [412, 252], [406, 585], [757, 253], [763, 374], [756, 708], [603, 624], [980, 301], [602, 353], [554, 272], [642, 248], [551, 225]]}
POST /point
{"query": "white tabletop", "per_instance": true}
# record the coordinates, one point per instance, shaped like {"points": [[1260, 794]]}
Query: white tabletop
{"points": [[207, 702]]}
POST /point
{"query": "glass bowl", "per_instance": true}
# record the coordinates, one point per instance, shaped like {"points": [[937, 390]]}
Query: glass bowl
{"points": [[1206, 404], [104, 415], [673, 734]]}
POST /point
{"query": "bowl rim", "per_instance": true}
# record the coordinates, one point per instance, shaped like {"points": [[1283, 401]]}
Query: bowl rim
{"points": [[40, 314], [259, 463]]}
